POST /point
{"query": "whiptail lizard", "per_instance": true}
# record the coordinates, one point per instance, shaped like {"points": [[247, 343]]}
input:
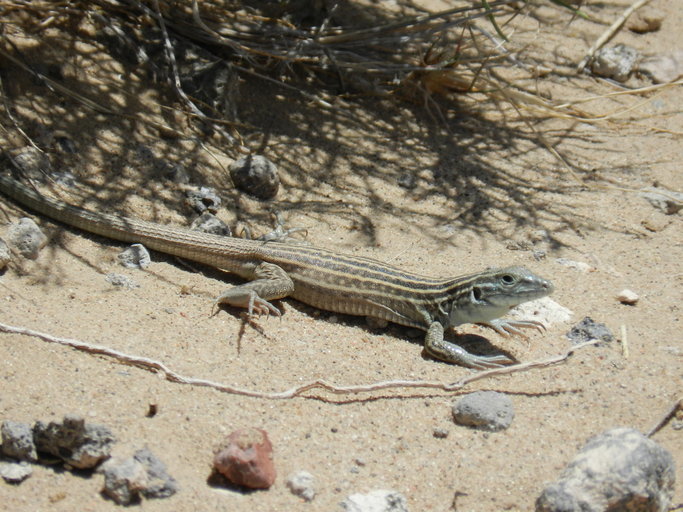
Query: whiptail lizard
{"points": [[323, 278]]}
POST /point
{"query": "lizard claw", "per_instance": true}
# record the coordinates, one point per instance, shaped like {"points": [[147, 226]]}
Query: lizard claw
{"points": [[507, 328]]}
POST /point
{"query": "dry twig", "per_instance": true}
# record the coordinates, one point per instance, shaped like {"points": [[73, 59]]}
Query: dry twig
{"points": [[173, 376], [678, 404]]}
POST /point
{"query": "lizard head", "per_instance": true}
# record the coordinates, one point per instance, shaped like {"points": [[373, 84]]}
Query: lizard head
{"points": [[491, 294]]}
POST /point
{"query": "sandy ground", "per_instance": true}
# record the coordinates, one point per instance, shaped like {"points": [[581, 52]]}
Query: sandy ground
{"points": [[482, 189]]}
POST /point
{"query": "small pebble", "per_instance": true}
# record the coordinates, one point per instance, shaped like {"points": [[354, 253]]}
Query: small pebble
{"points": [[141, 476], [376, 501], [656, 224], [628, 297], [135, 256], [407, 180], [646, 19], [615, 62], [576, 265], [178, 174], [15, 472], [246, 459], [123, 480], [440, 433], [587, 330], [209, 223], [663, 68], [120, 280], [256, 175], [539, 254], [302, 484], [484, 410], [202, 200], [668, 201], [518, 245], [26, 237]]}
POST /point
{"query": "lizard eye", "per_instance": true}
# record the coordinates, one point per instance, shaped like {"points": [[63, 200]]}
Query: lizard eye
{"points": [[507, 279]]}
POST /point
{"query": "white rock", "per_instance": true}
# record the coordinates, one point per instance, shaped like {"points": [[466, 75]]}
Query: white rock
{"points": [[576, 265], [302, 483], [663, 68], [26, 237], [544, 310], [628, 297], [15, 472], [376, 501], [136, 256]]}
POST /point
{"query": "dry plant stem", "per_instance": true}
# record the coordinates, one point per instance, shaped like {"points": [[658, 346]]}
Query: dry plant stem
{"points": [[198, 20], [542, 139], [607, 35], [8, 112], [176, 80], [678, 404], [170, 375], [640, 90], [624, 342]]}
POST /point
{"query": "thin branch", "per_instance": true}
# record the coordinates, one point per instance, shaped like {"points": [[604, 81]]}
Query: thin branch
{"points": [[173, 376], [678, 404]]}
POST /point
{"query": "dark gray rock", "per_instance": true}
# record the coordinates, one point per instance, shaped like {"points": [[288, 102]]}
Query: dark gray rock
{"points": [[256, 175], [485, 410], [17, 441], [143, 475], [79, 445], [160, 483], [123, 480], [209, 223], [203, 199], [620, 469], [588, 329]]}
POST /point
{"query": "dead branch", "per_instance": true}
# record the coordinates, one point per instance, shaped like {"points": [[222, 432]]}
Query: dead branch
{"points": [[173, 376]]}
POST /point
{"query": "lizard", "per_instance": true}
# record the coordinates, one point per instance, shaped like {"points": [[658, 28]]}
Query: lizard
{"points": [[323, 278]]}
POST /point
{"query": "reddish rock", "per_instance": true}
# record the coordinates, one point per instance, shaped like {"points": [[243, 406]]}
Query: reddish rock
{"points": [[246, 458]]}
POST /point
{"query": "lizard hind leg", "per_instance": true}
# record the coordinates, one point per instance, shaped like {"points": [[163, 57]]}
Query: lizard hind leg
{"points": [[271, 282]]}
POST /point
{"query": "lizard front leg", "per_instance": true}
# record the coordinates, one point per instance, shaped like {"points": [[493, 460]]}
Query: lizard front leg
{"points": [[271, 282], [438, 347]]}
